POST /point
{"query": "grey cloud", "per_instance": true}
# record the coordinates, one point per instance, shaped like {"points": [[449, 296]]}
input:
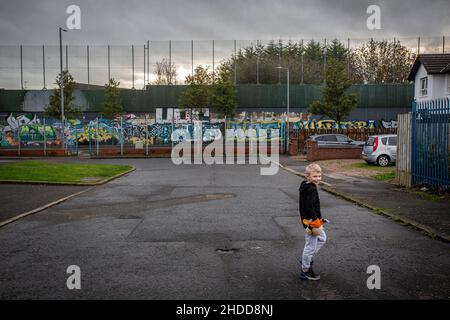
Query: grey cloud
{"points": [[126, 22]]}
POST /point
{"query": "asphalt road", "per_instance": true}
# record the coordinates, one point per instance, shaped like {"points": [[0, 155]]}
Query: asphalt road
{"points": [[211, 232]]}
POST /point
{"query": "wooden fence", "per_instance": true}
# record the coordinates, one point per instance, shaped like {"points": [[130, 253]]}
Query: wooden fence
{"points": [[403, 175]]}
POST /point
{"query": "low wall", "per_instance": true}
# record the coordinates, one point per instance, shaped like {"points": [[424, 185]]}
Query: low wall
{"points": [[31, 152], [314, 152], [107, 151]]}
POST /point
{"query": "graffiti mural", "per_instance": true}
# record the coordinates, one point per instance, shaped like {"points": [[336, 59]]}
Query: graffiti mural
{"points": [[29, 130], [355, 124], [257, 130]]}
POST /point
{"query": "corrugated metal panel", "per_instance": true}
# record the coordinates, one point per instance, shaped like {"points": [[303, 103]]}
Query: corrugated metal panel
{"points": [[249, 96]]}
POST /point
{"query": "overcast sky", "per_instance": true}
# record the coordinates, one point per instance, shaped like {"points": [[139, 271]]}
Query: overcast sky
{"points": [[135, 21], [34, 23]]}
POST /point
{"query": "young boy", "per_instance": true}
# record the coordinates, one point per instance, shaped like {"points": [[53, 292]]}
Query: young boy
{"points": [[311, 219]]}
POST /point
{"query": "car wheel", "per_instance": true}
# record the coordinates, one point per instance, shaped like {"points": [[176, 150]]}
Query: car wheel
{"points": [[383, 160]]}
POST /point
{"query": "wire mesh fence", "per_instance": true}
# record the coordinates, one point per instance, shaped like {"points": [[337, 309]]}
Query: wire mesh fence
{"points": [[95, 136], [249, 61]]}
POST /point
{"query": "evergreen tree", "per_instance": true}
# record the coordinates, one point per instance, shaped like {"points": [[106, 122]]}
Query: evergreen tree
{"points": [[337, 104], [112, 105], [223, 94], [198, 92], [53, 109]]}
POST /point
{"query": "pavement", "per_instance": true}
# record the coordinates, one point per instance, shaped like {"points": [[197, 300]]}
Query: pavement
{"points": [[430, 216], [211, 232]]}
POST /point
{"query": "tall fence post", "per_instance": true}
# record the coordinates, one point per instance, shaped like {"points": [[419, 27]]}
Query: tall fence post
{"points": [[76, 140], [89, 138], [235, 65], [121, 136], [43, 66], [45, 139], [109, 64], [96, 136], [87, 60], [302, 54], [148, 62], [18, 139], [132, 63], [21, 67], [146, 135]]}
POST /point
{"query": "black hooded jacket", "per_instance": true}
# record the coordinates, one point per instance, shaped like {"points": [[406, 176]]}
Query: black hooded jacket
{"points": [[309, 203]]}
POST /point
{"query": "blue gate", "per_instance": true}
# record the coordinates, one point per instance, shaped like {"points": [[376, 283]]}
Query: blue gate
{"points": [[430, 142]]}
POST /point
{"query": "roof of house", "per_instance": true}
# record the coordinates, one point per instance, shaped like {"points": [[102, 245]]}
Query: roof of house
{"points": [[433, 63]]}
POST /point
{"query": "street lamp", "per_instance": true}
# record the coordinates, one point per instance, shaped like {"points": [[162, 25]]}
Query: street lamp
{"points": [[287, 105], [62, 84]]}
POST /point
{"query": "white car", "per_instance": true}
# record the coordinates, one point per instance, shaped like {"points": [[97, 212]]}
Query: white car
{"points": [[380, 149]]}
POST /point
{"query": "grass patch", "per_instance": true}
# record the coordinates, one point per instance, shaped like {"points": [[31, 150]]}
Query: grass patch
{"points": [[388, 176], [379, 211], [59, 172], [365, 165]]}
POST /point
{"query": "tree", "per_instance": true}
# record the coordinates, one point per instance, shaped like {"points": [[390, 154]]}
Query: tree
{"points": [[298, 57], [223, 94], [53, 109], [337, 104], [382, 62], [336, 50], [166, 73], [198, 92], [112, 106]]}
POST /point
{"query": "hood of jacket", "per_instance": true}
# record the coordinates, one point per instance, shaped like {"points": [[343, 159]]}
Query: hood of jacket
{"points": [[306, 185]]}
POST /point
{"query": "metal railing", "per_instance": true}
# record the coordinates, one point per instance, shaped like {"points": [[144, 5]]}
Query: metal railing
{"points": [[431, 143]]}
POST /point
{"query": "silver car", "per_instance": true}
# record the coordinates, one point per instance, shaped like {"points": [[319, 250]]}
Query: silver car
{"points": [[333, 140], [380, 149]]}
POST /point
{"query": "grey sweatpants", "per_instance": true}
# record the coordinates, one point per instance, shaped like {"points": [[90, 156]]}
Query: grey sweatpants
{"points": [[312, 246]]}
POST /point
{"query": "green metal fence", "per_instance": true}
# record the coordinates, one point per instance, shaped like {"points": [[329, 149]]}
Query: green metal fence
{"points": [[248, 96]]}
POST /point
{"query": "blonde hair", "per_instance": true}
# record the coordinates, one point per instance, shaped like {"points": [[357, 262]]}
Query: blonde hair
{"points": [[313, 167]]}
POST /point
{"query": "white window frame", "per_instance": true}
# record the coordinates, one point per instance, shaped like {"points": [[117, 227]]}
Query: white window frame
{"points": [[423, 90]]}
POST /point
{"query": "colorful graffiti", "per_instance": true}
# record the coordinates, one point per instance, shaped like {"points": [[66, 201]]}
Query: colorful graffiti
{"points": [[260, 130], [331, 124], [29, 130]]}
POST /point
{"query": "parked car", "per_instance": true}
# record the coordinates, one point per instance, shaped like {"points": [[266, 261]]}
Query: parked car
{"points": [[333, 141], [380, 149]]}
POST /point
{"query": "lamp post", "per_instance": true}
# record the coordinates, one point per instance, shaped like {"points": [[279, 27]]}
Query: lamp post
{"points": [[62, 84], [287, 105]]}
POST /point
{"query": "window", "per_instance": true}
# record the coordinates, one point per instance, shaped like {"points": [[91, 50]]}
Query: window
{"points": [[384, 141], [370, 142], [424, 86], [342, 138], [392, 141], [330, 138]]}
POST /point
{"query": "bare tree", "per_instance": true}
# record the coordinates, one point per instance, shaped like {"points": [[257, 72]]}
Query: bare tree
{"points": [[382, 62], [166, 73]]}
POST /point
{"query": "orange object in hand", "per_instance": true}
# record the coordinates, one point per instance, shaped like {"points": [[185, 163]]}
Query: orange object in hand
{"points": [[313, 224]]}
